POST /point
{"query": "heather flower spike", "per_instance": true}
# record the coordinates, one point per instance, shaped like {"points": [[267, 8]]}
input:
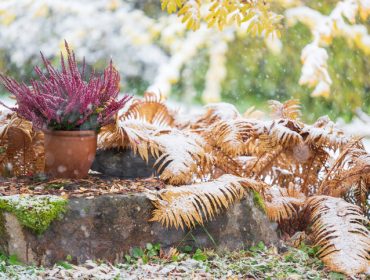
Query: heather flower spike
{"points": [[64, 99]]}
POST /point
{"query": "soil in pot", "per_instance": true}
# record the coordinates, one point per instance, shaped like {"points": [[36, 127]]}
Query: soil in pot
{"points": [[69, 154]]}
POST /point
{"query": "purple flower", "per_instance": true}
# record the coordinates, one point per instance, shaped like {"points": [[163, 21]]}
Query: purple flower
{"points": [[64, 99]]}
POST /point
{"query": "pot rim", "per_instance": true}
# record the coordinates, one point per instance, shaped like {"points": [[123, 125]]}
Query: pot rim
{"points": [[73, 133]]}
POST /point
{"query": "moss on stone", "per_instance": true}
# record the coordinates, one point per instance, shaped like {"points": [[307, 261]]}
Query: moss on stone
{"points": [[2, 224], [3, 234], [258, 201], [34, 212]]}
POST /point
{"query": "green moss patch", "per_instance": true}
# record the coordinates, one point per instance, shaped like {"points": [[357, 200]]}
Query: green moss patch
{"points": [[34, 212], [258, 201]]}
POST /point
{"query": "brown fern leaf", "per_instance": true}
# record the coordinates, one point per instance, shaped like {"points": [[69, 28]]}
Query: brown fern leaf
{"points": [[183, 156], [252, 113], [339, 185], [111, 136], [9, 120], [264, 163], [278, 132], [135, 134], [313, 163], [19, 150], [225, 164], [215, 112], [231, 136], [22, 147], [151, 109], [282, 203], [187, 206], [6, 119], [272, 143], [38, 160], [324, 133], [290, 109], [134, 128], [229, 147], [350, 167], [339, 229], [361, 191]]}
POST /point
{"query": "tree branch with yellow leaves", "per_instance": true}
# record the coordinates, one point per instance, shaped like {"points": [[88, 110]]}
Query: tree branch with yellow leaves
{"points": [[222, 13]]}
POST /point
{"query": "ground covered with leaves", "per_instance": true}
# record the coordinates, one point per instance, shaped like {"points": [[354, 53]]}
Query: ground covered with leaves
{"points": [[258, 262], [94, 185]]}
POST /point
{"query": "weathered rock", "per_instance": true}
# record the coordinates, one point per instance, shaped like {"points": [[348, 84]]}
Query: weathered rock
{"points": [[106, 227], [123, 164]]}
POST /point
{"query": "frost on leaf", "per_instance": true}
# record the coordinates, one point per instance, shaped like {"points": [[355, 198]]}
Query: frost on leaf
{"points": [[186, 206], [34, 212], [339, 228]]}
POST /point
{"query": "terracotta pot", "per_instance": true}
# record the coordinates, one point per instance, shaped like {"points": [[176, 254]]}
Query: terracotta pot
{"points": [[69, 154]]}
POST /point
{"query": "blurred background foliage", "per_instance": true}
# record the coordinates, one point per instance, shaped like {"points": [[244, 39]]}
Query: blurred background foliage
{"points": [[255, 74]]}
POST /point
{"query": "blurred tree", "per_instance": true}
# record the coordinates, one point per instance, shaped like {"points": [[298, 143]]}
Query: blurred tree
{"points": [[259, 75], [335, 60], [154, 51]]}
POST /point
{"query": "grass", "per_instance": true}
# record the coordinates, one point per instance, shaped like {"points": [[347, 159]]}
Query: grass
{"points": [[258, 262], [267, 263]]}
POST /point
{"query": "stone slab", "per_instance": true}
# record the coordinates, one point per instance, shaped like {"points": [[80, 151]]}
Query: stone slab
{"points": [[106, 227], [123, 164]]}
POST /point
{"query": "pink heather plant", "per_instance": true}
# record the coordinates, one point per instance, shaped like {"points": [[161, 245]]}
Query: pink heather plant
{"points": [[66, 100]]}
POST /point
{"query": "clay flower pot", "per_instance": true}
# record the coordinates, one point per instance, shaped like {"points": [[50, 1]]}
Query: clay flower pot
{"points": [[69, 154]]}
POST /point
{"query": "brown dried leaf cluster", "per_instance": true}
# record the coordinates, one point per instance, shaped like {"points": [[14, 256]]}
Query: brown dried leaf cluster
{"points": [[21, 147], [302, 172], [90, 187], [290, 163]]}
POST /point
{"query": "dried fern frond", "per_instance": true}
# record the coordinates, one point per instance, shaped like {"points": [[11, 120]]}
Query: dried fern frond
{"points": [[110, 136], [278, 132], [351, 166], [216, 112], [290, 109], [125, 133], [313, 167], [6, 119], [10, 119], [135, 134], [265, 162], [231, 135], [272, 135], [230, 144], [132, 129], [151, 109], [339, 229], [252, 113], [282, 203], [183, 156], [348, 179], [22, 151], [186, 206], [225, 164], [324, 133]]}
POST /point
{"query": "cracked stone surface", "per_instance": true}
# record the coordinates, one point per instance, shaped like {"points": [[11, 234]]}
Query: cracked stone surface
{"points": [[106, 227]]}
